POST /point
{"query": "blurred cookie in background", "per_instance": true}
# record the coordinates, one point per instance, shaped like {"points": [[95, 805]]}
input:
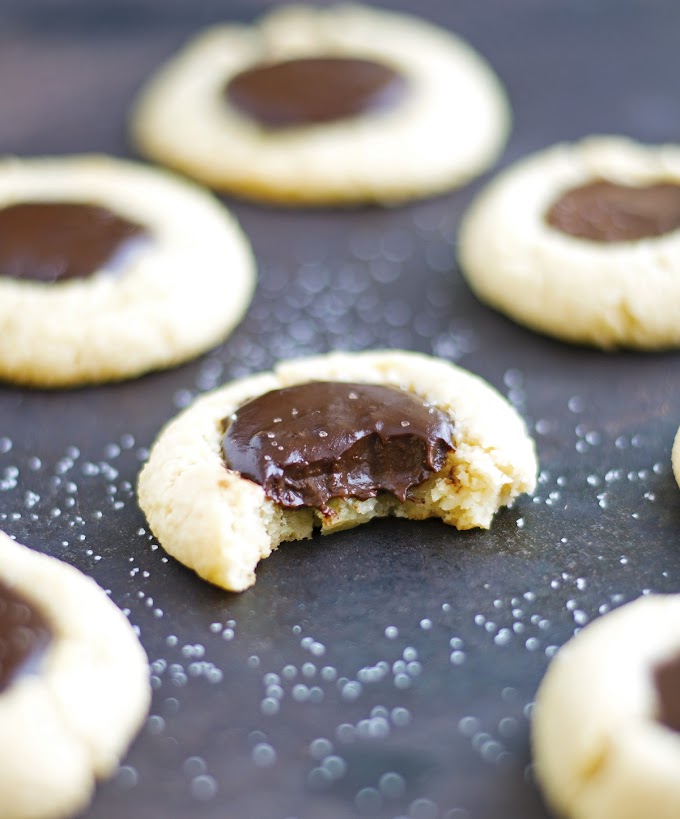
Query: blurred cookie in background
{"points": [[74, 685], [606, 724], [312, 106], [582, 241], [109, 269]]}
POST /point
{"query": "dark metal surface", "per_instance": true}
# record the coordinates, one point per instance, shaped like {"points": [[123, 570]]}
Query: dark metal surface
{"points": [[470, 619]]}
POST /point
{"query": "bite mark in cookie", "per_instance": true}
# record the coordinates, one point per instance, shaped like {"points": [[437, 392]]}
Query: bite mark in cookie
{"points": [[470, 456]]}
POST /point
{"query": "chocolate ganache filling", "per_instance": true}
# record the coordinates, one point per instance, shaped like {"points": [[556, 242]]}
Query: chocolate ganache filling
{"points": [[667, 680], [606, 212], [314, 90], [53, 241], [309, 443], [24, 637]]}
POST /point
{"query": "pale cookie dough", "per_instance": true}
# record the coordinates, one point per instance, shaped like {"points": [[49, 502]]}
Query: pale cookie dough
{"points": [[450, 127], [600, 751], [622, 294], [68, 722], [675, 457], [181, 294], [221, 525]]}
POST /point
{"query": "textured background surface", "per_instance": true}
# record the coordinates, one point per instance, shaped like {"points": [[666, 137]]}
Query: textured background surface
{"points": [[386, 671]]}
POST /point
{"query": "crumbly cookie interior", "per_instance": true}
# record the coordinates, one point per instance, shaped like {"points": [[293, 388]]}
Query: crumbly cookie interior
{"points": [[221, 524]]}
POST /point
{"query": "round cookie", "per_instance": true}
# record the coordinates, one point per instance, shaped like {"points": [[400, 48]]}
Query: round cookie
{"points": [[74, 685], [606, 725], [581, 241], [675, 457], [221, 524], [423, 112], [172, 271]]}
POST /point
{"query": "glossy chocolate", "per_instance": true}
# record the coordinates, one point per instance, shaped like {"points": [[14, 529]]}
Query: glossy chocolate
{"points": [[314, 90], [667, 680], [24, 636], [309, 443], [605, 212], [53, 241]]}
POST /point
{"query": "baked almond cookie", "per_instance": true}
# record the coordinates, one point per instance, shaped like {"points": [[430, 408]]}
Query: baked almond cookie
{"points": [[338, 105], [606, 726], [74, 685], [109, 269], [675, 457], [582, 241], [330, 442]]}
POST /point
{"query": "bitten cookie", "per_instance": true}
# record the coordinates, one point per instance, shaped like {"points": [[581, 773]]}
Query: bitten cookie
{"points": [[582, 241], [330, 442], [74, 685], [325, 106], [109, 269], [606, 726]]}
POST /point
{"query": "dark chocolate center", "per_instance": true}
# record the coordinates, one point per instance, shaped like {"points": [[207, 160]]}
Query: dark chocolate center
{"points": [[307, 444], [51, 241], [312, 90], [24, 636], [606, 212], [667, 679]]}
